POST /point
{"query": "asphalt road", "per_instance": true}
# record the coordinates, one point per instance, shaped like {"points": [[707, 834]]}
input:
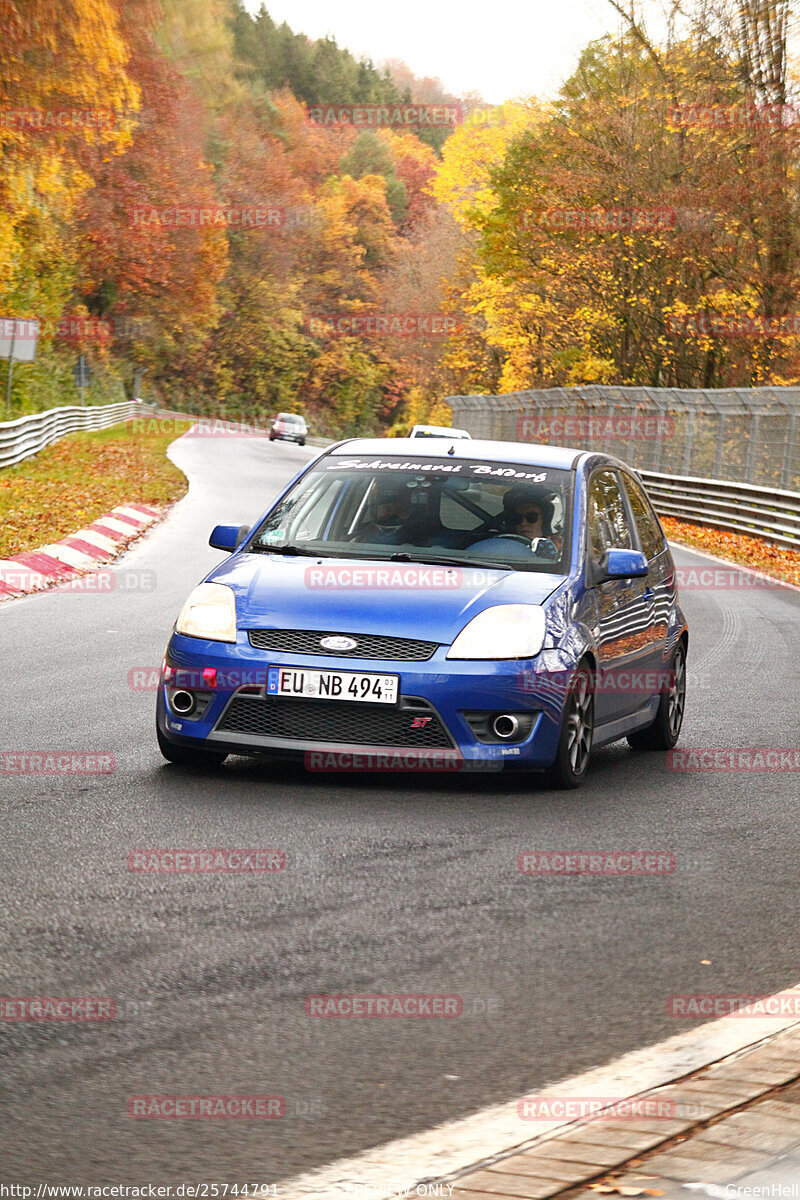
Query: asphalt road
{"points": [[397, 884]]}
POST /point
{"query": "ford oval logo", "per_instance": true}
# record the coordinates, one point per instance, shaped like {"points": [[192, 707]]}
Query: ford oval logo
{"points": [[338, 643]]}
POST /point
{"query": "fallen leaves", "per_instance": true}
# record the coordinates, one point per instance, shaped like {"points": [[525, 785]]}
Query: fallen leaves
{"points": [[73, 482], [780, 562]]}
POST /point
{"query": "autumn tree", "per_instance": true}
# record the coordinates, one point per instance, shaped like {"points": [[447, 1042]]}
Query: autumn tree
{"points": [[68, 101], [140, 257]]}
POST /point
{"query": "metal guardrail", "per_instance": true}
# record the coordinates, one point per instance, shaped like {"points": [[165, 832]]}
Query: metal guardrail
{"points": [[764, 512], [759, 512], [26, 436], [682, 443], [751, 434]]}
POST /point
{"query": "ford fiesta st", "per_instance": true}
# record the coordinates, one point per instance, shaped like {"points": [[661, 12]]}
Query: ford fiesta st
{"points": [[483, 604]]}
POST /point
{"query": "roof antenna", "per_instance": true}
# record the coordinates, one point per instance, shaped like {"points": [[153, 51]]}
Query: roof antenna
{"points": [[452, 450]]}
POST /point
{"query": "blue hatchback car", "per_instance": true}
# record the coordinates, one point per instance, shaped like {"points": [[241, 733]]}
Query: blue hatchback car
{"points": [[421, 604]]}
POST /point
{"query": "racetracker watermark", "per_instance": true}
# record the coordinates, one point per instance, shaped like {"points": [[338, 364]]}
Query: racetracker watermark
{"points": [[99, 329], [389, 324], [596, 862], [55, 762], [600, 220], [57, 1008], [387, 578], [26, 331], [733, 325], [606, 1108], [388, 116], [122, 580], [21, 329], [411, 759], [90, 583], [232, 862], [733, 116], [723, 578], [211, 428], [389, 1004], [624, 682], [228, 216], [636, 427], [196, 1108], [57, 120], [735, 758], [707, 1004], [209, 679]]}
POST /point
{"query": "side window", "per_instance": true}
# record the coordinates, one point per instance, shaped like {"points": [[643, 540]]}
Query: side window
{"points": [[650, 534], [607, 520]]}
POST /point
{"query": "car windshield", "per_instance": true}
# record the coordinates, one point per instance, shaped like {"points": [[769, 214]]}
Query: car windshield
{"points": [[509, 515], [289, 419]]}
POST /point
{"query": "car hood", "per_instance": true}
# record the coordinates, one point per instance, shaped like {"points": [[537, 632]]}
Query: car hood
{"points": [[376, 596]]}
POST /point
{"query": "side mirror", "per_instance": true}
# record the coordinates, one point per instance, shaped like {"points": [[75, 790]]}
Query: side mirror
{"points": [[623, 564], [228, 537]]}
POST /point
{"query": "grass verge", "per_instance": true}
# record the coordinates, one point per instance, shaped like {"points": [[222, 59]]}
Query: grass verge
{"points": [[79, 478], [778, 561]]}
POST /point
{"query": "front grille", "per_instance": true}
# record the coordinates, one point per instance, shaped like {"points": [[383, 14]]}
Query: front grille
{"points": [[370, 645], [340, 722]]}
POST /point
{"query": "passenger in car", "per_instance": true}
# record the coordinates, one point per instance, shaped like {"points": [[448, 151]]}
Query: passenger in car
{"points": [[387, 515]]}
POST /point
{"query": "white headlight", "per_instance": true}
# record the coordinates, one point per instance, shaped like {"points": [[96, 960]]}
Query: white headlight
{"points": [[210, 612], [504, 631]]}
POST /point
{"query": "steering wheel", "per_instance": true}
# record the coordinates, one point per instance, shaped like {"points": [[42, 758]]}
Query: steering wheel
{"points": [[515, 537]]}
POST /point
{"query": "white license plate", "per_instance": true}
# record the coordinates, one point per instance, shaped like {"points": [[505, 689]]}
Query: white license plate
{"points": [[332, 685]]}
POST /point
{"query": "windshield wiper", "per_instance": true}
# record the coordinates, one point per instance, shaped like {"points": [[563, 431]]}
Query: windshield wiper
{"points": [[444, 561], [298, 550], [399, 556]]}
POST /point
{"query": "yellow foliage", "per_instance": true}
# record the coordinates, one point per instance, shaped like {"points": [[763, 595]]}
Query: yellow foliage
{"points": [[199, 38], [421, 409], [462, 181], [402, 144], [63, 89]]}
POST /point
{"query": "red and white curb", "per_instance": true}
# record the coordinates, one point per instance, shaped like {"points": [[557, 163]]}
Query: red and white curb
{"points": [[82, 552]]}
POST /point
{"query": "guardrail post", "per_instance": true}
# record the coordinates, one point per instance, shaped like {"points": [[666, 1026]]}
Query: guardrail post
{"points": [[687, 449], [788, 452], [659, 447], [751, 450], [10, 368], [720, 446]]}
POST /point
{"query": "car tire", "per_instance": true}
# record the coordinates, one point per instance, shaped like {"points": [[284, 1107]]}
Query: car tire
{"points": [[272, 437], [302, 441], [577, 731], [665, 730], [188, 756]]}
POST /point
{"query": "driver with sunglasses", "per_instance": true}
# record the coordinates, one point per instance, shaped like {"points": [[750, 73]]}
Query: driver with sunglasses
{"points": [[528, 512]]}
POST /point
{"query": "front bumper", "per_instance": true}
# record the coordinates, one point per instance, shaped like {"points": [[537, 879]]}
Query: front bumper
{"points": [[434, 694]]}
